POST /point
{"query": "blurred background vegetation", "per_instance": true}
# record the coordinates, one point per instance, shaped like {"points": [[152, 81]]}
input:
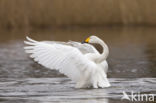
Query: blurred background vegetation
{"points": [[127, 27], [60, 13]]}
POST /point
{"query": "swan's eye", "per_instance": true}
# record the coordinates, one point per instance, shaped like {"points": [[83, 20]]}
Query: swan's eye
{"points": [[87, 40]]}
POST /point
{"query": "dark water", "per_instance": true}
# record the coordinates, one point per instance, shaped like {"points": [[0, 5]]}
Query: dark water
{"points": [[132, 66]]}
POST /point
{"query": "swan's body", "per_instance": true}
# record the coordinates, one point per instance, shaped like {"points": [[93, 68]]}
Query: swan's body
{"points": [[80, 62]]}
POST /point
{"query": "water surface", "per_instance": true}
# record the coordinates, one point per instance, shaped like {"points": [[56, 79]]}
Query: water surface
{"points": [[132, 66]]}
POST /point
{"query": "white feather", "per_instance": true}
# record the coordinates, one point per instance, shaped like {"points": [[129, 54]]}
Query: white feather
{"points": [[69, 60]]}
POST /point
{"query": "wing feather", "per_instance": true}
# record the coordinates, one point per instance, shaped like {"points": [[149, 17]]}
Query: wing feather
{"points": [[67, 59], [84, 48]]}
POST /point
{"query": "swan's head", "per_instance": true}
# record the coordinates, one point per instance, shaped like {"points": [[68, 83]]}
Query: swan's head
{"points": [[92, 39]]}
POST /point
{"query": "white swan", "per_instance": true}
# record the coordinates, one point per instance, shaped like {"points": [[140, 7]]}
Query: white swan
{"points": [[80, 62]]}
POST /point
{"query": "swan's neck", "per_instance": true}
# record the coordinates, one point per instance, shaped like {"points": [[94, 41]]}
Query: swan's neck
{"points": [[103, 56]]}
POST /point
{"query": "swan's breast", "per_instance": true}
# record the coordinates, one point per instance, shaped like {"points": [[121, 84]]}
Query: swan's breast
{"points": [[104, 66]]}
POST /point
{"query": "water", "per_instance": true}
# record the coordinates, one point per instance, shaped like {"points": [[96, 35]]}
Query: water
{"points": [[47, 90], [132, 63]]}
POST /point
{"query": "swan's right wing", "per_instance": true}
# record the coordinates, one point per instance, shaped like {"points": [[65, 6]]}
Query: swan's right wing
{"points": [[68, 60], [84, 48]]}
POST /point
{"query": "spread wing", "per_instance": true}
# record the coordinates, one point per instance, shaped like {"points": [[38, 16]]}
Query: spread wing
{"points": [[84, 48], [67, 59]]}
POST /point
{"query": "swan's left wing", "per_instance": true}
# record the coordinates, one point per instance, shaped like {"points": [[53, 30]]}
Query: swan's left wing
{"points": [[67, 59]]}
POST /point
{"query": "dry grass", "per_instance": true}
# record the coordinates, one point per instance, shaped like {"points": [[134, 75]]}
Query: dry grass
{"points": [[45, 13]]}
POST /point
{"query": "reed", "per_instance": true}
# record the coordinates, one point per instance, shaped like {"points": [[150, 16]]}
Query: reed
{"points": [[45, 13]]}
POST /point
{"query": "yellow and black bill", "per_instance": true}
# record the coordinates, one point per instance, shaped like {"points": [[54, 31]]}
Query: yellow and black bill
{"points": [[86, 41]]}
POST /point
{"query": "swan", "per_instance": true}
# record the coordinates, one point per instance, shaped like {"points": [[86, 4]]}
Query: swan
{"points": [[81, 62]]}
